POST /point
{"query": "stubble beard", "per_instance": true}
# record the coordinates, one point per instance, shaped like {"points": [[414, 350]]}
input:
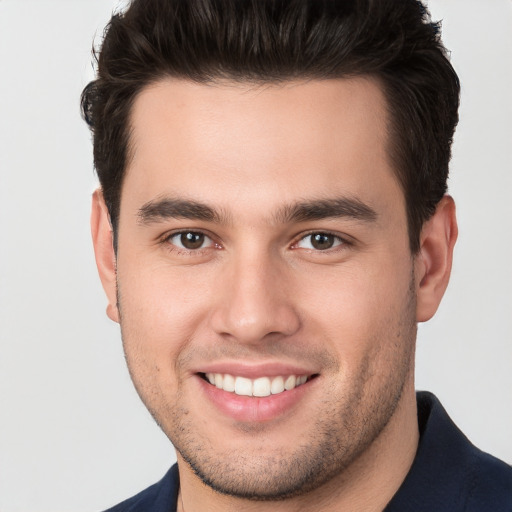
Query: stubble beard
{"points": [[346, 425], [335, 444]]}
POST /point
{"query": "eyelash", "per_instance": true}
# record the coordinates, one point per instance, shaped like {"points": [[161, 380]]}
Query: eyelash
{"points": [[341, 243], [166, 241]]}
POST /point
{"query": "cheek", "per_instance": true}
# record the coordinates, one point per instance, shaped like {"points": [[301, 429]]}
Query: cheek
{"points": [[161, 310], [360, 310]]}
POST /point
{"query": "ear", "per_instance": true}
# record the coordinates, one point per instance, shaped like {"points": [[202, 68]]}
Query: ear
{"points": [[102, 239], [433, 263]]}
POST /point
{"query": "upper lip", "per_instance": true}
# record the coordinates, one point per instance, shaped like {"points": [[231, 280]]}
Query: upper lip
{"points": [[255, 370]]}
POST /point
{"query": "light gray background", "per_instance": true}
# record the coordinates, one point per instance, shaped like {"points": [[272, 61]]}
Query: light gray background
{"points": [[73, 434]]}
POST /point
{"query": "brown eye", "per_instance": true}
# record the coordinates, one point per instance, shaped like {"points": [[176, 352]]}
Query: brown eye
{"points": [[190, 240], [320, 241]]}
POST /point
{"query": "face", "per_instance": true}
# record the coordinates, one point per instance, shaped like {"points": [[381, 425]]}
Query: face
{"points": [[264, 279]]}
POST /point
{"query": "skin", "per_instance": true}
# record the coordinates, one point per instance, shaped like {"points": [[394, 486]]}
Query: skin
{"points": [[256, 292]]}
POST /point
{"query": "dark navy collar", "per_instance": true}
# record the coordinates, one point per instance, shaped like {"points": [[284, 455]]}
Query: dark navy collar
{"points": [[449, 474]]}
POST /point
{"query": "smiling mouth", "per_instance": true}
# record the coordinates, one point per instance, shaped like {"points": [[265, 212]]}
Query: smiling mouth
{"points": [[260, 387]]}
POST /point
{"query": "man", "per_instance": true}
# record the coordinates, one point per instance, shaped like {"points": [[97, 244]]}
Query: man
{"points": [[272, 224]]}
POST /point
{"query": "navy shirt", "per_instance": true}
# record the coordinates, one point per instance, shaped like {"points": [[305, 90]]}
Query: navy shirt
{"points": [[448, 474]]}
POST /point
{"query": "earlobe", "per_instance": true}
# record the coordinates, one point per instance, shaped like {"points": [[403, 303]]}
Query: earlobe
{"points": [[433, 263], [102, 238]]}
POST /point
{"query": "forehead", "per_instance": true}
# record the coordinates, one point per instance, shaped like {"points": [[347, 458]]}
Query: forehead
{"points": [[227, 142]]}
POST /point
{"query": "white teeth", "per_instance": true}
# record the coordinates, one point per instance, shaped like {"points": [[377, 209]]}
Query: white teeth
{"points": [[277, 385], [290, 382], [243, 386], [261, 387], [229, 383]]}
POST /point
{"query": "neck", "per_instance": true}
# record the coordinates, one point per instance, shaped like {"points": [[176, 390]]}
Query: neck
{"points": [[368, 484]]}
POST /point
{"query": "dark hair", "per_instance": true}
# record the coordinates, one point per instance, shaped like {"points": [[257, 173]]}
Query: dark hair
{"points": [[393, 41]]}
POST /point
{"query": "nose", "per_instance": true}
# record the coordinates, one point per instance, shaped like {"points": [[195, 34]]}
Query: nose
{"points": [[255, 302]]}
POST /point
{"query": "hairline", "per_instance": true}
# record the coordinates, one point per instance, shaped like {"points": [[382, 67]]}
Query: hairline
{"points": [[226, 80]]}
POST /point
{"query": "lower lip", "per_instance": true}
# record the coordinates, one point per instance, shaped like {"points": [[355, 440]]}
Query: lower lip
{"points": [[252, 409]]}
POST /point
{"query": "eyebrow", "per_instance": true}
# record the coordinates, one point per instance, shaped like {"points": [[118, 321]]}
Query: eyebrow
{"points": [[348, 207], [172, 208], [159, 210]]}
